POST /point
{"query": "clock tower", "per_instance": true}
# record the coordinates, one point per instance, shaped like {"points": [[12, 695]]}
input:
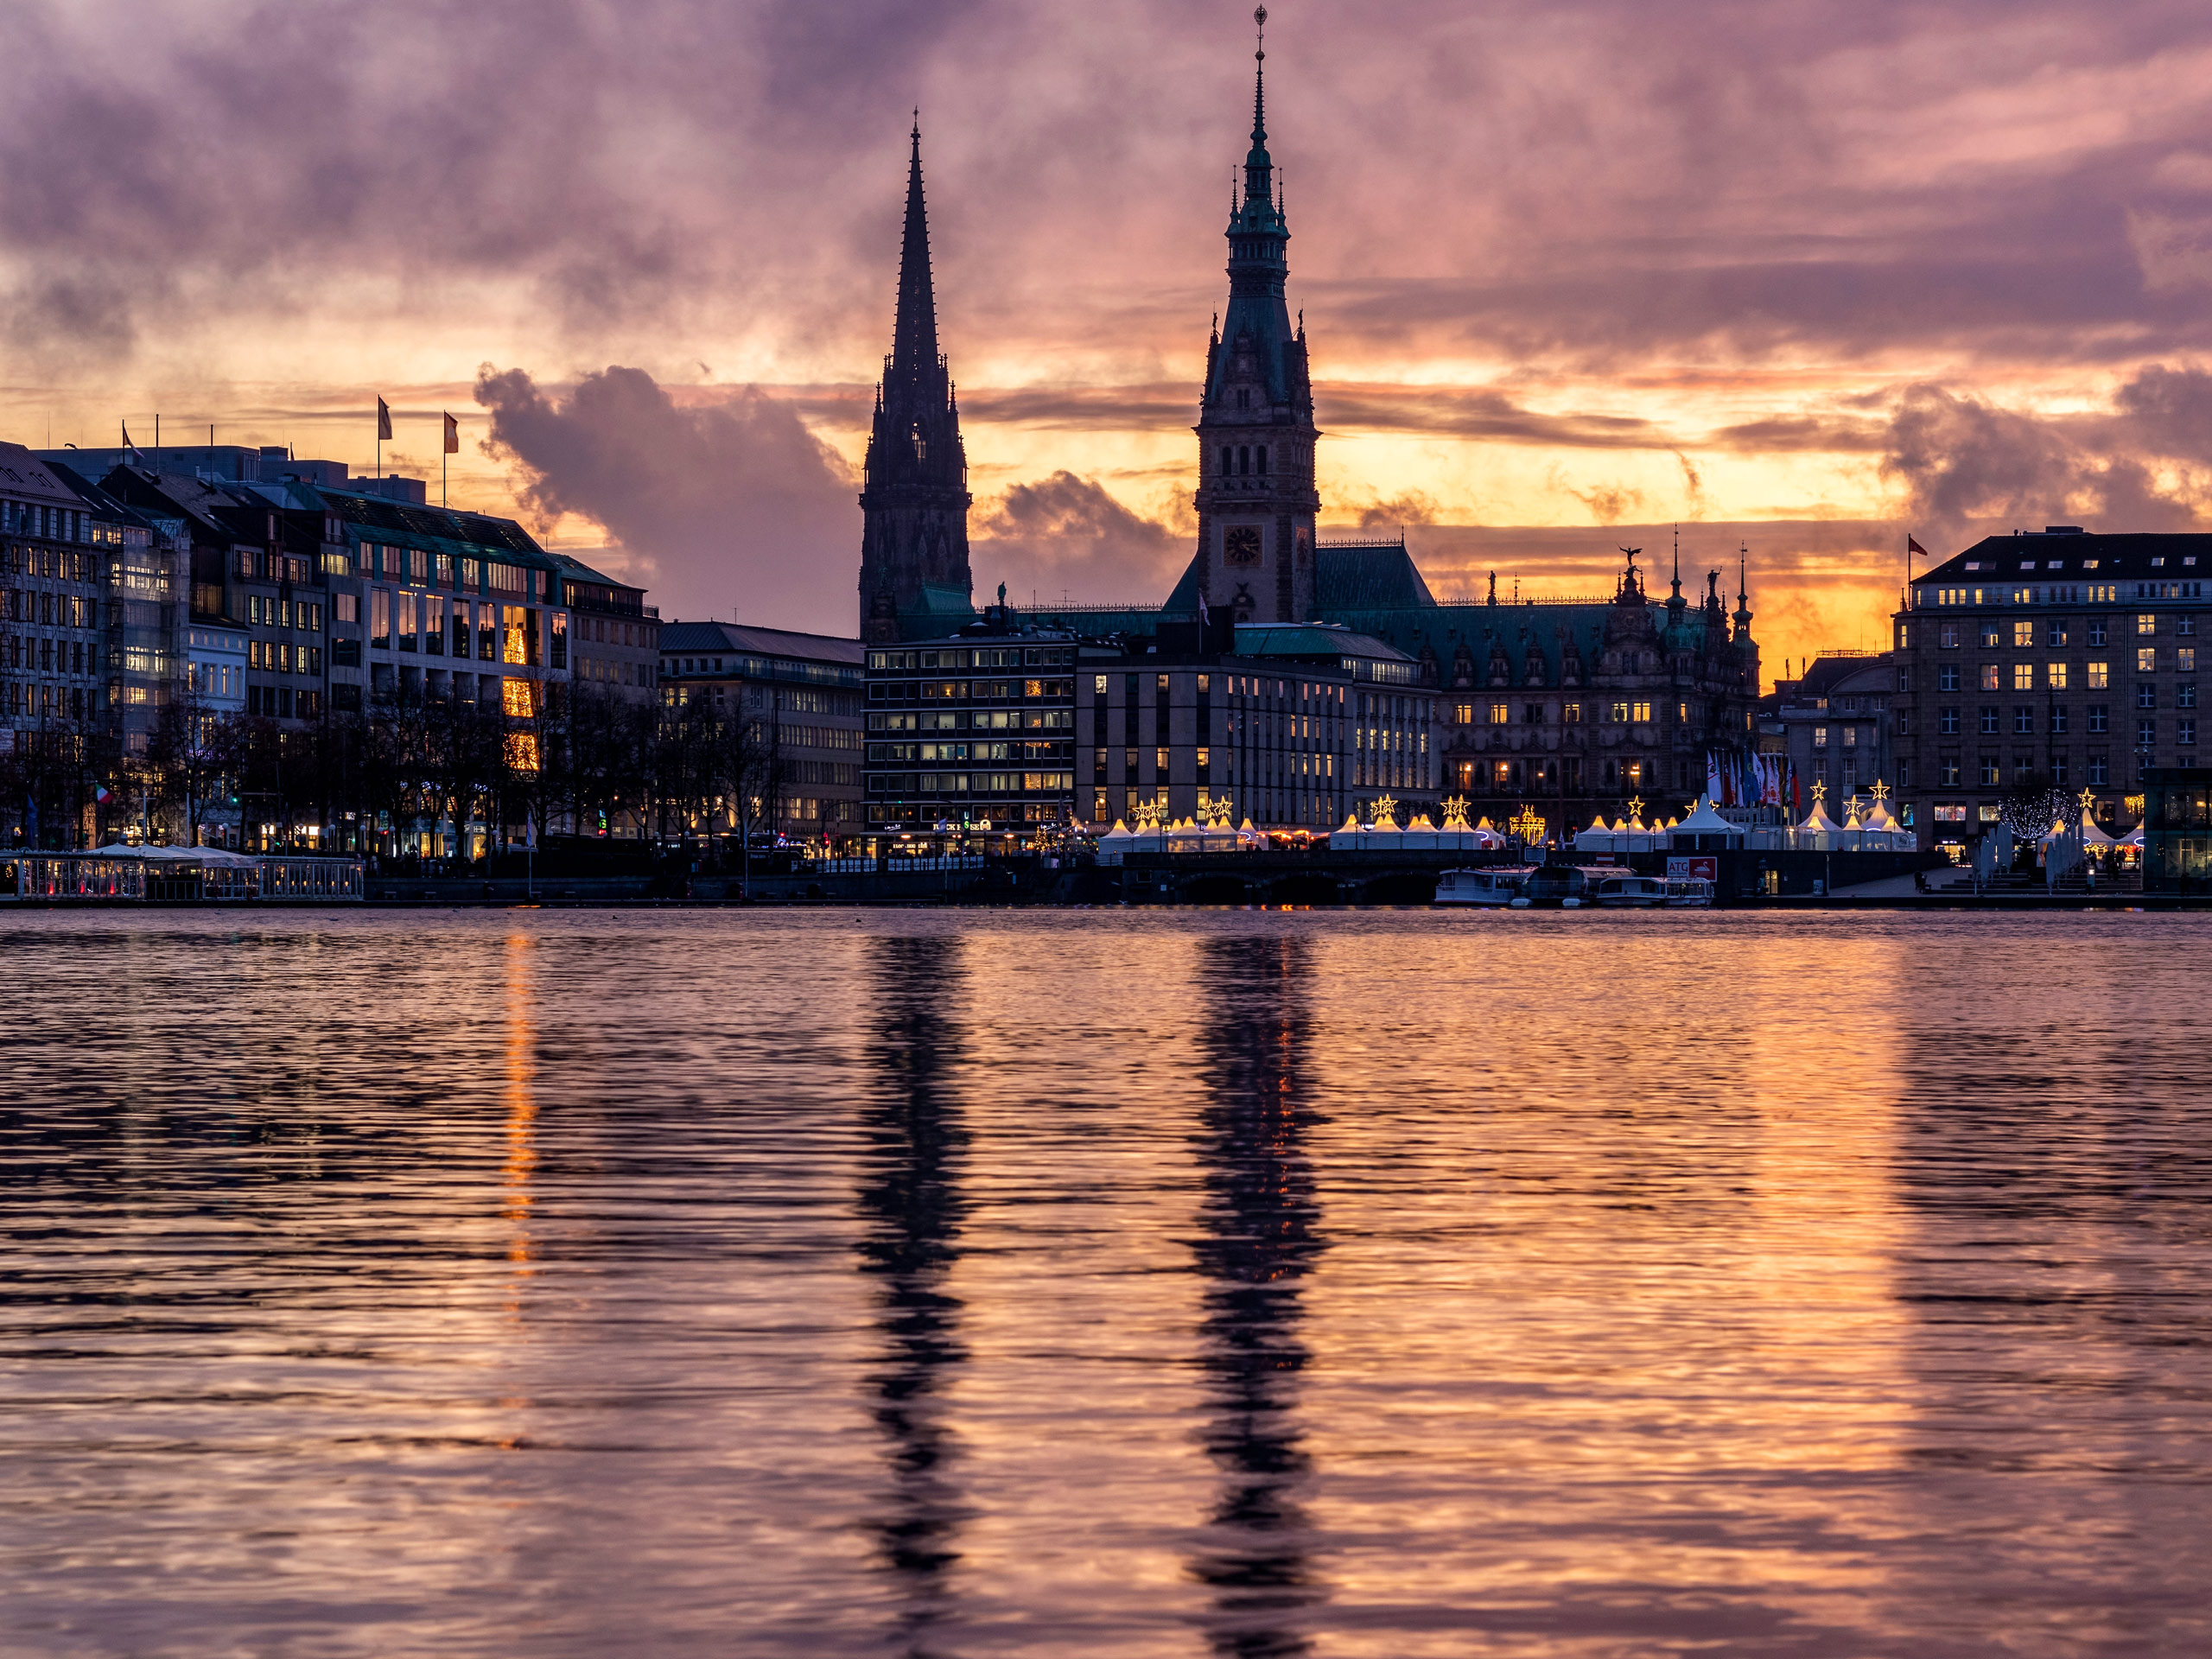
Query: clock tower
{"points": [[1256, 499]]}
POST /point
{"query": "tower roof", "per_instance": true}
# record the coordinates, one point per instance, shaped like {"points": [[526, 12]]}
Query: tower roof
{"points": [[913, 341]]}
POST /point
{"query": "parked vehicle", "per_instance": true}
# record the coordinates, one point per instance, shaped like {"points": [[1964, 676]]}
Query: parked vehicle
{"points": [[1689, 892]]}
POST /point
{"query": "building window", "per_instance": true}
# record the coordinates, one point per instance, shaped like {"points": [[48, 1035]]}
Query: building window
{"points": [[2023, 768], [2185, 734], [2024, 721], [1990, 635], [2058, 720], [1570, 714], [2024, 636], [1992, 676], [2024, 676], [1850, 737], [1989, 775], [2185, 659], [1946, 678], [1642, 712], [2146, 733], [2099, 675], [1988, 720], [2186, 694], [2146, 660], [2100, 769], [2058, 769], [2146, 622], [2054, 635], [1159, 766], [2096, 631], [1947, 636], [2054, 675], [1617, 713], [2099, 717], [1947, 722], [1500, 714], [2147, 695]]}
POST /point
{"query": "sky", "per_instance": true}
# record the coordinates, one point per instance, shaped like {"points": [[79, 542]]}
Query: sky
{"points": [[1798, 278]]}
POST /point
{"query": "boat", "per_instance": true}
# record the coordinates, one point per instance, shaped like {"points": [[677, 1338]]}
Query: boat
{"points": [[1623, 890], [1689, 892], [1494, 884]]}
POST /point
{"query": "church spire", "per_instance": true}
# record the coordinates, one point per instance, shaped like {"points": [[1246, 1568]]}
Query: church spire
{"points": [[914, 503], [913, 341]]}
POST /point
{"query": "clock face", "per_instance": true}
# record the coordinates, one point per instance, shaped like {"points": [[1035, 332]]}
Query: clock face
{"points": [[1240, 545]]}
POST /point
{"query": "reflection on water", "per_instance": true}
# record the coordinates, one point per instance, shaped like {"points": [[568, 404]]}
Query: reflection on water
{"points": [[1260, 1237], [974, 1284], [911, 1207]]}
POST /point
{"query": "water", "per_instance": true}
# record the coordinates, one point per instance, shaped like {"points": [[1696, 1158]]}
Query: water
{"points": [[836, 1283]]}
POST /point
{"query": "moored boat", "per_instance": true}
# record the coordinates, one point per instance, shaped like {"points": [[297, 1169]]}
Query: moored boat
{"points": [[1493, 884]]}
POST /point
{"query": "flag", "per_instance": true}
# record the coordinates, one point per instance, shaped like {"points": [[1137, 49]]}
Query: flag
{"points": [[453, 436], [1203, 617], [383, 419], [130, 448], [1912, 546], [102, 796]]}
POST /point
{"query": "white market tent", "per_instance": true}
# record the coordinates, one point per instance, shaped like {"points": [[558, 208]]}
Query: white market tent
{"points": [[1706, 831]]}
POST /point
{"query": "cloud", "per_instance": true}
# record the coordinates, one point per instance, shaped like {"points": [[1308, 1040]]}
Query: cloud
{"points": [[730, 509], [1966, 465], [1066, 533], [1609, 503]]}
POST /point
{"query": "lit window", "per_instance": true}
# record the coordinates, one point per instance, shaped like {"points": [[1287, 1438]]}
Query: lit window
{"points": [[2146, 660], [1820, 737], [1500, 714], [2024, 676], [2099, 675], [2146, 622], [1991, 680], [2023, 635], [2055, 673]]}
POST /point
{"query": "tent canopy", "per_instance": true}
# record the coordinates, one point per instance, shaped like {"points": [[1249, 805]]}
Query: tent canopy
{"points": [[1704, 820]]}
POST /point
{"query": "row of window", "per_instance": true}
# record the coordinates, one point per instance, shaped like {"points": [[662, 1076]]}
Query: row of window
{"points": [[2067, 594], [964, 783], [2020, 635], [930, 754], [47, 655], [966, 690], [2056, 677], [48, 610], [975, 720], [980, 657]]}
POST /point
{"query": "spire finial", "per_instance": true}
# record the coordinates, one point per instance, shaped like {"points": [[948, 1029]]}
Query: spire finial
{"points": [[1259, 82]]}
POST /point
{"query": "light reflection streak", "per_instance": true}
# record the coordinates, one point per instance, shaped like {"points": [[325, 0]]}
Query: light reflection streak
{"points": [[912, 1208], [1260, 1237], [520, 1098]]}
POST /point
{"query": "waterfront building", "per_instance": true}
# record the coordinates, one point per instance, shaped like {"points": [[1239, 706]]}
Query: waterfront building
{"points": [[435, 603], [1567, 711], [799, 697], [617, 644], [1831, 725], [914, 575], [52, 581], [1292, 725], [975, 732], [2058, 660], [2178, 829]]}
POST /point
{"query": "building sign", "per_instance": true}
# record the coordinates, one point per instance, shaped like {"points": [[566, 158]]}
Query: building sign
{"points": [[1695, 866]]}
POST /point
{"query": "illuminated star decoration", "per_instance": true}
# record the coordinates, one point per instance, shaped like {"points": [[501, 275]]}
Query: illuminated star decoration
{"points": [[1881, 791], [1386, 808], [1455, 812], [2089, 799], [1635, 807], [1820, 793]]}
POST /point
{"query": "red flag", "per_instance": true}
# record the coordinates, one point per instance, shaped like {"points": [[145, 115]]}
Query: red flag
{"points": [[453, 436], [1912, 546]]}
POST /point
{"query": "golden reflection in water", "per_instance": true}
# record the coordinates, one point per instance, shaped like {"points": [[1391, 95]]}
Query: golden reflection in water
{"points": [[1640, 1253], [521, 1102]]}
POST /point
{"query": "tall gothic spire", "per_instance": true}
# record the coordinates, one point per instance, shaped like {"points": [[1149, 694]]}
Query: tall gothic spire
{"points": [[914, 507], [913, 341]]}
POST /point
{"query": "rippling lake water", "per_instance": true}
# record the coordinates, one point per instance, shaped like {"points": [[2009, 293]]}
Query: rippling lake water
{"points": [[1119, 1283]]}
